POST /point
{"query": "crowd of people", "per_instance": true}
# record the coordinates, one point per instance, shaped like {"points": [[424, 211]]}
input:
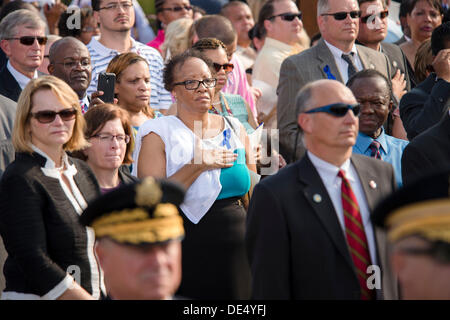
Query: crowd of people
{"points": [[239, 155]]}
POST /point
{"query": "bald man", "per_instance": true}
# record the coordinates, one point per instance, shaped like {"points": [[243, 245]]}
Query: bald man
{"points": [[301, 219]]}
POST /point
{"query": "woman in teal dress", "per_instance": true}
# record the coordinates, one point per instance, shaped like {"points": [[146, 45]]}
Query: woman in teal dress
{"points": [[225, 104]]}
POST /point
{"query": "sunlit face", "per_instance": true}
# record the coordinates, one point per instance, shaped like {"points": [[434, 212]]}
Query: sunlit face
{"points": [[173, 10], [23, 58], [115, 20], [150, 272], [423, 20], [285, 31], [373, 96], [375, 29], [133, 87], [106, 154], [49, 136], [218, 56], [78, 77], [242, 19], [198, 100], [325, 130], [339, 31]]}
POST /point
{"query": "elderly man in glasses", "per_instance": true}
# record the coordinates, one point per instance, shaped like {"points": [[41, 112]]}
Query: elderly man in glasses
{"points": [[336, 57], [283, 23], [309, 234], [116, 18], [23, 40]]}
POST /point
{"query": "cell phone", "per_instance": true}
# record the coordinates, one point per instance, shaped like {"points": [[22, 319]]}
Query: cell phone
{"points": [[106, 83]]}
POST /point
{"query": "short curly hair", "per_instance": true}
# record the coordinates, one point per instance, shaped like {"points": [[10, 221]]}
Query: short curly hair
{"points": [[208, 44], [176, 62]]}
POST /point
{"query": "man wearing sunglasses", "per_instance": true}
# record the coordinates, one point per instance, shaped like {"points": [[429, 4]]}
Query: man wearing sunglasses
{"points": [[373, 29], [336, 56], [417, 221], [308, 233], [283, 24], [23, 40], [116, 20]]}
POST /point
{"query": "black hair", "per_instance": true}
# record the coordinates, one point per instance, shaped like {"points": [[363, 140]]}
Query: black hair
{"points": [[440, 38]]}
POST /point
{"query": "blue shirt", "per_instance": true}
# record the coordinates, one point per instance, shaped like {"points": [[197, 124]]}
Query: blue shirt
{"points": [[391, 150]]}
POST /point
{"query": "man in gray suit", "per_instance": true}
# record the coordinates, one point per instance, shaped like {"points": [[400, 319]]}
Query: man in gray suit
{"points": [[336, 57], [308, 233]]}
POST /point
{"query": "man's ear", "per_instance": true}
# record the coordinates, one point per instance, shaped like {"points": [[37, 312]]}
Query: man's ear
{"points": [[268, 25], [391, 105], [4, 44], [304, 122], [51, 68]]}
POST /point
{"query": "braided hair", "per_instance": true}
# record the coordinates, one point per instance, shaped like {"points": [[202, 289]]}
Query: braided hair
{"points": [[208, 44]]}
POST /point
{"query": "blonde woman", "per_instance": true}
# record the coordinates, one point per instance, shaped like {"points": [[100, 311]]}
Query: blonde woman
{"points": [[42, 194], [176, 38]]}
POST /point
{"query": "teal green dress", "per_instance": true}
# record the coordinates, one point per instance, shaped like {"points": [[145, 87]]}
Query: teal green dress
{"points": [[237, 107]]}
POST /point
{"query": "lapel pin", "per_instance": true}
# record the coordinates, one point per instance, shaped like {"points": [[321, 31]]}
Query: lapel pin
{"points": [[372, 184], [372, 66], [317, 198], [395, 64]]}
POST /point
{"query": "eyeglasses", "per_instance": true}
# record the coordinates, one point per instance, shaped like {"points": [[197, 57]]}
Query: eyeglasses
{"points": [[106, 137], [381, 15], [227, 67], [90, 29], [178, 8], [337, 109], [343, 15], [288, 16], [29, 40], [47, 116], [194, 84], [116, 5], [72, 64]]}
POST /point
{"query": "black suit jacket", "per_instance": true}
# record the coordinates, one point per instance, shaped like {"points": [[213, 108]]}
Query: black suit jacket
{"points": [[428, 152], [425, 105], [397, 59], [9, 87], [296, 246], [40, 227]]}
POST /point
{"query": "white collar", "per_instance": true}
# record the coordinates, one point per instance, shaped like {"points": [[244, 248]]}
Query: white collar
{"points": [[330, 171], [337, 53], [21, 79]]}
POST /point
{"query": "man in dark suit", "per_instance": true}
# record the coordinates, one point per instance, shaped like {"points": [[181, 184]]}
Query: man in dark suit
{"points": [[23, 40], [334, 57], [426, 104], [300, 220], [429, 151]]}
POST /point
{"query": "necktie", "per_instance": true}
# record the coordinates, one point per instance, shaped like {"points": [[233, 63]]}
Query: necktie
{"points": [[356, 237], [351, 64], [375, 150]]}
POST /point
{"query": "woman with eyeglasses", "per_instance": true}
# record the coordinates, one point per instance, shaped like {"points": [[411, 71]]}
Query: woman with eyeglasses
{"points": [[132, 88], [209, 155], [166, 12], [225, 104], [423, 16], [42, 194], [109, 133]]}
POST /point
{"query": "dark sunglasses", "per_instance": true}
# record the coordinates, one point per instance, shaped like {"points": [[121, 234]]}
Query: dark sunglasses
{"points": [[287, 16], [29, 40], [48, 116], [381, 15], [343, 15], [227, 67], [178, 8], [337, 109]]}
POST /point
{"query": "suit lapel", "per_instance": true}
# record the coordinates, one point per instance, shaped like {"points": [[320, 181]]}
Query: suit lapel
{"points": [[365, 58], [324, 209], [10, 84], [326, 58], [369, 181]]}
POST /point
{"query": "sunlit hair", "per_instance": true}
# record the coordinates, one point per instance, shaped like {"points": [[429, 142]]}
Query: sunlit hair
{"points": [[67, 97], [209, 44], [120, 63], [423, 60], [96, 119], [176, 36]]}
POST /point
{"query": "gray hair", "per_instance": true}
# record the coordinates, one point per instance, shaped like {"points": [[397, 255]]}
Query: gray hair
{"points": [[22, 17], [322, 7], [304, 98]]}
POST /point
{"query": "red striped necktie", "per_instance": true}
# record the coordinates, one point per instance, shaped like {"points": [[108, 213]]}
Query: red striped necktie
{"points": [[356, 237]]}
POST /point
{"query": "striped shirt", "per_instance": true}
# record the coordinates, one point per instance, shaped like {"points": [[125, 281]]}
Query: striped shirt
{"points": [[100, 57]]}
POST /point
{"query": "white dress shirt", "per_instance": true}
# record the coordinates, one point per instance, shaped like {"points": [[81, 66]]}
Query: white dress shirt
{"points": [[329, 175], [341, 63], [21, 79]]}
